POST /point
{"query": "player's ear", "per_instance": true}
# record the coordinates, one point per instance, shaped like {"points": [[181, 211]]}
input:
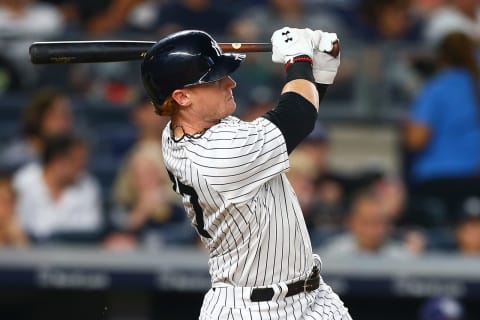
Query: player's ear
{"points": [[181, 97]]}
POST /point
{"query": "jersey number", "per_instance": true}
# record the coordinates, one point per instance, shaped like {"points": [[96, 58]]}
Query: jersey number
{"points": [[187, 190]]}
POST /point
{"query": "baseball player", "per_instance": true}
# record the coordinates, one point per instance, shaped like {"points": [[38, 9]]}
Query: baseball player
{"points": [[231, 173]]}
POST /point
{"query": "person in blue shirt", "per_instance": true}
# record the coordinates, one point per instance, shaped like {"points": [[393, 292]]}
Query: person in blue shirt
{"points": [[443, 130]]}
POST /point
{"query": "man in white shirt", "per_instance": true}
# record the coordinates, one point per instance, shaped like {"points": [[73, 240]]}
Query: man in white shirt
{"points": [[369, 231], [57, 198]]}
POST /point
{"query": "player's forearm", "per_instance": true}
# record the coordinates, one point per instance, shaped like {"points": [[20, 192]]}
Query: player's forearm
{"points": [[296, 112], [301, 81]]}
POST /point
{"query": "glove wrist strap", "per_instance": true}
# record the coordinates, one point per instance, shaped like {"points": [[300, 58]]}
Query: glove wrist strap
{"points": [[300, 68], [303, 58]]}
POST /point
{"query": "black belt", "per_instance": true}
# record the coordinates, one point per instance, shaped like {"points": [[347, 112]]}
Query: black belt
{"points": [[307, 285]]}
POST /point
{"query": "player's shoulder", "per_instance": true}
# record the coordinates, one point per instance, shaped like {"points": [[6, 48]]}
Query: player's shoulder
{"points": [[226, 139], [232, 137], [231, 127]]}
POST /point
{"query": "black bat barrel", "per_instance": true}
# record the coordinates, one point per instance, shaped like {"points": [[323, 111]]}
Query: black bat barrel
{"points": [[87, 51]]}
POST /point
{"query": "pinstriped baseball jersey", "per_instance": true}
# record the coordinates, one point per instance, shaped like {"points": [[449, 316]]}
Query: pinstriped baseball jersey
{"points": [[234, 188]]}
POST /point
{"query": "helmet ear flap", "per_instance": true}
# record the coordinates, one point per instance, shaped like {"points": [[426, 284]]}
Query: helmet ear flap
{"points": [[184, 59]]}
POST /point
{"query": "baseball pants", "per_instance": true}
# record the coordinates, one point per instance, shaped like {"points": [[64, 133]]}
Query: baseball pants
{"points": [[233, 303]]}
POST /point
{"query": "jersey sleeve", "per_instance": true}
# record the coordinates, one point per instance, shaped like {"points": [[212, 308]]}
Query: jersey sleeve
{"points": [[237, 158]]}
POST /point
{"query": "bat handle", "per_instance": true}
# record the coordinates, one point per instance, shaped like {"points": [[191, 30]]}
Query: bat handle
{"points": [[246, 47], [263, 47]]}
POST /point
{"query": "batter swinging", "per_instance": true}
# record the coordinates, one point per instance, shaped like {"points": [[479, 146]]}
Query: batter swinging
{"points": [[231, 173]]}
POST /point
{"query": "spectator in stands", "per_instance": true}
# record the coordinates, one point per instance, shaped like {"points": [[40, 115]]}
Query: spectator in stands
{"points": [[327, 205], [193, 14], [392, 195], [386, 29], [441, 308], [302, 178], [320, 196], [454, 16], [11, 233], [48, 113], [369, 231], [468, 227], [149, 127], [426, 7], [57, 199], [113, 17], [258, 22], [387, 20], [443, 130], [102, 17], [144, 202], [393, 201], [108, 17], [26, 21], [21, 18]]}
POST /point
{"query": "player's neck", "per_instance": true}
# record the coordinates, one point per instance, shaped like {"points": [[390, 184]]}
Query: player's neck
{"points": [[182, 125]]}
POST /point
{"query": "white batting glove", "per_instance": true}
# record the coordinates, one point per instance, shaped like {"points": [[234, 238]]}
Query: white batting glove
{"points": [[325, 66], [288, 43]]}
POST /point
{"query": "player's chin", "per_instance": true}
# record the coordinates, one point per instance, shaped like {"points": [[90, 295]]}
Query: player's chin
{"points": [[231, 106]]}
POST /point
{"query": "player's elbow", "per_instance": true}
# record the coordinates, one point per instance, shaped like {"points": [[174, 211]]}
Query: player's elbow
{"points": [[304, 88], [295, 116]]}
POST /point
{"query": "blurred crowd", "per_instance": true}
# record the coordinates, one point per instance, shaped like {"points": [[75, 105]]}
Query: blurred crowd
{"points": [[80, 145]]}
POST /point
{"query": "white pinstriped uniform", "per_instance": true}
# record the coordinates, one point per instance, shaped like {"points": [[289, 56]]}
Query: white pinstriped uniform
{"points": [[232, 178]]}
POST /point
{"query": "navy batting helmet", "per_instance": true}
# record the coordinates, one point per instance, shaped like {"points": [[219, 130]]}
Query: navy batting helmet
{"points": [[183, 59]]}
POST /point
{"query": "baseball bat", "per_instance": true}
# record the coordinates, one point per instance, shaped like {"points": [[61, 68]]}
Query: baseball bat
{"points": [[110, 51]]}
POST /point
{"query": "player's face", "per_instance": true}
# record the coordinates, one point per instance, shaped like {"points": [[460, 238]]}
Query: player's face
{"points": [[214, 101]]}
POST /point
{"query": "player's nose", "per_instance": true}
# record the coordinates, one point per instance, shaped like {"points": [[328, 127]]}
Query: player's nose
{"points": [[229, 82]]}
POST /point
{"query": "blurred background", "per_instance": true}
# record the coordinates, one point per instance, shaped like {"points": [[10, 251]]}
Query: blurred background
{"points": [[389, 181]]}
